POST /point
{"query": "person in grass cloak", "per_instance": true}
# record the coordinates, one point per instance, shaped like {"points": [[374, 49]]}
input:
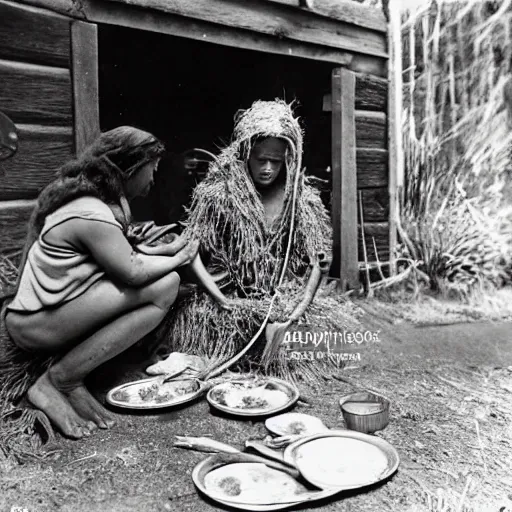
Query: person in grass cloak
{"points": [[254, 197]]}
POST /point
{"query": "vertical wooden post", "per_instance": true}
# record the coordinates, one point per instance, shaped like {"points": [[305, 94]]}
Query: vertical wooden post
{"points": [[84, 69], [395, 145], [344, 177]]}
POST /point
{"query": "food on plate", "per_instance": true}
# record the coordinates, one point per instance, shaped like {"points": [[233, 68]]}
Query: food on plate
{"points": [[121, 395], [149, 392], [253, 395], [254, 402], [297, 427], [295, 423], [252, 483], [231, 486], [156, 392]]}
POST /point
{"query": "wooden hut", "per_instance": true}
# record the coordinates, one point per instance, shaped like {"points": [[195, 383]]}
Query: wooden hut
{"points": [[181, 68]]}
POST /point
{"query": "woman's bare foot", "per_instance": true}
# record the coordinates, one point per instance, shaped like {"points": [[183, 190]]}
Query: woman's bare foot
{"points": [[46, 397], [88, 407]]}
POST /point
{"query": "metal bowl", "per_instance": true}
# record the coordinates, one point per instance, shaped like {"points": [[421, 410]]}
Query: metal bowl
{"points": [[365, 412]]}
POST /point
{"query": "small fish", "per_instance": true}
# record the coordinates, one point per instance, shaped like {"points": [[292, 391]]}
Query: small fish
{"points": [[204, 444]]}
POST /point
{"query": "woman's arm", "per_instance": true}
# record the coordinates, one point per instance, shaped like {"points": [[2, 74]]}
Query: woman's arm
{"points": [[195, 270], [110, 248], [198, 273]]}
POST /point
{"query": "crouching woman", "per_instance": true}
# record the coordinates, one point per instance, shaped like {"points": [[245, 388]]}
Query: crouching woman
{"points": [[83, 292]]}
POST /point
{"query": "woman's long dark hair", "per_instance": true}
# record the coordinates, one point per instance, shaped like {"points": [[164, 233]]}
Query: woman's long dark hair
{"points": [[100, 171]]}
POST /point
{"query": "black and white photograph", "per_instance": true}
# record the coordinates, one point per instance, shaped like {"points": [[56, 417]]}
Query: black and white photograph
{"points": [[255, 255]]}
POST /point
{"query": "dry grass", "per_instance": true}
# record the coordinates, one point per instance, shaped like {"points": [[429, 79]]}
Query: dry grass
{"points": [[8, 275], [456, 222], [427, 308]]}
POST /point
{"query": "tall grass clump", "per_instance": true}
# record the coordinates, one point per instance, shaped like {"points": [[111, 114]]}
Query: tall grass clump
{"points": [[456, 218]]}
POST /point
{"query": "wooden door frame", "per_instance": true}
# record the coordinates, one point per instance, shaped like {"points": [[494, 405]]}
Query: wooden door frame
{"points": [[85, 80], [344, 177]]}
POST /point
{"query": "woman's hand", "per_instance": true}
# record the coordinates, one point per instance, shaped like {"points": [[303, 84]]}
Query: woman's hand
{"points": [[140, 231], [170, 249], [188, 253]]}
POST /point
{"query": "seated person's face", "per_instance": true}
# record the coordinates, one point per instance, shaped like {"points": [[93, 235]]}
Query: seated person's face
{"points": [[266, 161], [140, 183]]}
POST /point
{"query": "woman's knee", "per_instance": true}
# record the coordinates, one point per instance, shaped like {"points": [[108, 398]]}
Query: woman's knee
{"points": [[165, 290]]}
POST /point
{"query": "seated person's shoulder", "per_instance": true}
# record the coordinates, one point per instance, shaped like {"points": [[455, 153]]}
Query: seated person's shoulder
{"points": [[83, 219]]}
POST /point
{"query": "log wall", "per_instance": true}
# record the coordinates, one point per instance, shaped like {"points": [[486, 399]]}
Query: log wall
{"points": [[372, 166], [372, 163], [36, 93], [37, 87]]}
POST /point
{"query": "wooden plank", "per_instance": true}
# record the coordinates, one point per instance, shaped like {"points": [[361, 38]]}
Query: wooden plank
{"points": [[371, 94], [344, 10], [41, 151], [33, 35], [375, 204], [275, 20], [68, 8], [84, 57], [154, 21], [14, 216], [372, 168], [379, 231], [344, 178], [35, 94], [396, 158], [371, 130]]}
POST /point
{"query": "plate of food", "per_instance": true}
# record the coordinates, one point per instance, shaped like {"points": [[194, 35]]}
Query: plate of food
{"points": [[252, 486], [294, 424], [257, 396], [155, 393]]}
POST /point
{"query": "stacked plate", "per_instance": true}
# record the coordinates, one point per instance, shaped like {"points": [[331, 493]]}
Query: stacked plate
{"points": [[328, 461]]}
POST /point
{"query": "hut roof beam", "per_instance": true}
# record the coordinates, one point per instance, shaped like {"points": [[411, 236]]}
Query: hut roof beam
{"points": [[270, 19], [344, 10], [130, 16]]}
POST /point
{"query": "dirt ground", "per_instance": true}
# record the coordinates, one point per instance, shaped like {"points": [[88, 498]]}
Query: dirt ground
{"points": [[451, 412]]}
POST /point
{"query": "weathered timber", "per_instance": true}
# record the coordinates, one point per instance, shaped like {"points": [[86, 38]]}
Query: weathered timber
{"points": [[70, 8], [156, 21], [375, 204], [344, 178], [345, 10], [41, 151], [371, 94], [276, 20], [371, 129], [396, 153], [378, 231], [33, 35], [372, 168], [84, 56], [14, 216], [35, 94]]}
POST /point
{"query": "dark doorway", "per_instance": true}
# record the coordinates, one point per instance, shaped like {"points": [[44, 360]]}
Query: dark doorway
{"points": [[187, 93]]}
